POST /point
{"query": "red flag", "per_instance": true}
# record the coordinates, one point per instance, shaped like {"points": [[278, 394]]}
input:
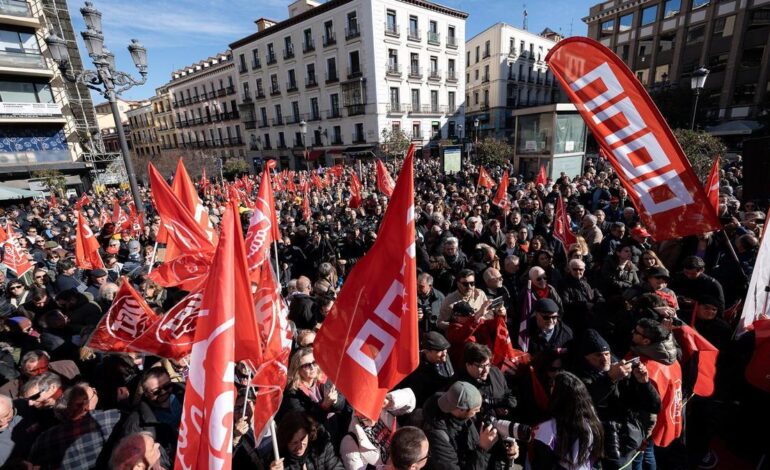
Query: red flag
{"points": [[758, 369], [501, 196], [182, 227], [712, 186], [337, 170], [84, 200], [263, 226], [317, 182], [355, 191], [504, 355], [54, 202], [306, 213], [696, 347], [204, 182], [668, 383], [14, 256], [104, 217], [171, 336], [542, 177], [561, 225], [538, 391], [86, 246], [630, 129], [119, 217], [385, 183], [186, 271], [136, 221], [368, 343], [485, 180], [125, 321], [205, 439]]}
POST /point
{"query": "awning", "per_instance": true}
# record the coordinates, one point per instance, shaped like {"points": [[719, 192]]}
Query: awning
{"points": [[734, 128], [9, 192], [359, 151]]}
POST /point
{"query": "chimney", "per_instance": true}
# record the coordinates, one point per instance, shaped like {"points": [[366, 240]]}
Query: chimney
{"points": [[263, 24]]}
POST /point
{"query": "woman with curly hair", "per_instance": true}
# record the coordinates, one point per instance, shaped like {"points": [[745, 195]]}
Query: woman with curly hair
{"points": [[304, 445], [573, 438]]}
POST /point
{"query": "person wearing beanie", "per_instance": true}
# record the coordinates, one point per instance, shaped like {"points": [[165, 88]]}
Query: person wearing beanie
{"points": [[622, 393], [455, 440]]}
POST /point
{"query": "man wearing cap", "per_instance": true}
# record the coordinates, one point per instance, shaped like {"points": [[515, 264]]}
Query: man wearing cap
{"points": [[435, 371], [639, 243], [96, 279], [692, 282], [655, 280], [622, 393], [455, 442], [545, 328]]}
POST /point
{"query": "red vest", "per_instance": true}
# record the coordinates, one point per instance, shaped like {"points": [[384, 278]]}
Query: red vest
{"points": [[668, 382], [758, 370]]}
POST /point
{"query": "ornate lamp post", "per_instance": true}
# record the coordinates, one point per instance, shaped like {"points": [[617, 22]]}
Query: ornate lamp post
{"points": [[697, 82], [303, 130], [105, 79]]}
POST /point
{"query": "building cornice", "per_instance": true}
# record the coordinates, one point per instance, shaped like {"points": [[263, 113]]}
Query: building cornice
{"points": [[202, 74], [614, 10]]}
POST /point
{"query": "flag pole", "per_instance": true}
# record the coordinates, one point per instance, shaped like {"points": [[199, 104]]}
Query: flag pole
{"points": [[246, 400], [154, 254], [274, 438]]}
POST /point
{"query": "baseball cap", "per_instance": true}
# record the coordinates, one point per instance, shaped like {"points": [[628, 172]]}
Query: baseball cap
{"points": [[545, 306], [693, 262], [461, 395], [656, 271], [640, 231], [463, 309], [593, 343], [435, 341]]}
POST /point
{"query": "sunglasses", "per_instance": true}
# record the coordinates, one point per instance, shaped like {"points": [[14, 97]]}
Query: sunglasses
{"points": [[159, 391], [466, 283], [542, 278], [309, 365], [17, 287]]}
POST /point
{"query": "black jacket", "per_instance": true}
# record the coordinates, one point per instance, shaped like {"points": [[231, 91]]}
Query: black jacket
{"points": [[454, 443], [579, 300], [302, 313], [428, 379], [560, 339], [319, 455], [143, 419], [494, 391]]}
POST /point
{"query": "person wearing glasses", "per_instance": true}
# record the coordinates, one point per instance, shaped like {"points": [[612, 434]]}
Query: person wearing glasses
{"points": [[16, 293], [409, 449], [467, 292], [545, 328], [159, 411], [488, 379], [581, 301]]}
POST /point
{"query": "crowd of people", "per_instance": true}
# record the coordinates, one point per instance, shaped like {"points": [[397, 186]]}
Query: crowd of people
{"points": [[595, 317]]}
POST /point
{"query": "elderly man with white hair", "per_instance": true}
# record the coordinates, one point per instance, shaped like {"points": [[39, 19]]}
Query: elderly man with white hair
{"points": [[539, 288], [591, 232], [454, 257], [580, 299]]}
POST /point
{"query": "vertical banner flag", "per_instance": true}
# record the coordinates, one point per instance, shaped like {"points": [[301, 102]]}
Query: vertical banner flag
{"points": [[640, 145], [757, 301], [501, 196], [542, 177], [561, 225], [368, 343], [485, 180], [712, 186], [127, 319], [385, 183], [86, 246], [355, 191], [14, 256]]}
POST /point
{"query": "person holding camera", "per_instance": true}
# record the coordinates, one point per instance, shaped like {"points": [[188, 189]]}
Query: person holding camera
{"points": [[488, 379], [623, 396], [429, 302]]}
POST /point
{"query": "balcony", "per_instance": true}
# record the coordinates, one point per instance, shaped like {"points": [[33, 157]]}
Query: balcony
{"points": [[256, 64], [434, 38], [277, 121], [486, 54], [512, 53], [393, 70], [311, 82], [230, 90], [356, 109], [337, 140], [485, 78], [434, 75], [451, 42], [359, 138], [429, 109], [330, 39], [395, 108], [281, 145], [242, 68], [333, 113], [451, 76], [275, 91], [251, 124], [295, 119], [247, 97], [23, 58], [314, 116], [354, 72], [271, 60], [415, 72], [288, 53], [291, 87], [263, 123], [391, 29], [220, 92], [260, 94], [413, 35], [484, 106], [308, 46], [332, 77], [352, 31]]}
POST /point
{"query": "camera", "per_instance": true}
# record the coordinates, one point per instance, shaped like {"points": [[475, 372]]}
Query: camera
{"points": [[508, 429]]}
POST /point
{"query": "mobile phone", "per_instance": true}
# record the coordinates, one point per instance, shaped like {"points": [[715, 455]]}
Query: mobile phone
{"points": [[497, 302], [634, 361]]}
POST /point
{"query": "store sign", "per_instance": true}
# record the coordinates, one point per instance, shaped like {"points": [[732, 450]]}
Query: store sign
{"points": [[30, 109]]}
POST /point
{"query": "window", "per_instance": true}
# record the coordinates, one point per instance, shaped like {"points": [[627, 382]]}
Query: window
{"points": [[263, 112], [292, 79], [622, 51], [334, 101], [295, 110], [18, 41], [486, 97], [451, 39], [486, 49], [625, 22], [699, 3], [649, 15], [241, 63], [608, 27], [486, 73], [416, 134], [270, 53], [476, 74], [308, 39], [433, 65], [724, 26], [415, 99], [718, 63], [281, 140], [752, 57], [662, 73], [744, 94], [695, 34], [391, 21], [478, 48], [414, 31], [451, 101], [666, 43], [360, 133], [25, 92], [671, 8], [278, 114], [288, 47], [433, 36], [337, 133], [310, 73], [467, 58], [274, 83], [475, 97], [314, 111], [355, 65], [645, 49], [643, 75], [434, 101], [331, 68], [394, 97]]}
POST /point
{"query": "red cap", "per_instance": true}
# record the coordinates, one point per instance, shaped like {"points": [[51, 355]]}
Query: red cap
{"points": [[640, 231]]}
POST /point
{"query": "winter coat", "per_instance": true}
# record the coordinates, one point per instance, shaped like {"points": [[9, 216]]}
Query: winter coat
{"points": [[454, 443]]}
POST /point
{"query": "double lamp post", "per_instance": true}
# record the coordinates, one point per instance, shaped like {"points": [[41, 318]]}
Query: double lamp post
{"points": [[106, 80]]}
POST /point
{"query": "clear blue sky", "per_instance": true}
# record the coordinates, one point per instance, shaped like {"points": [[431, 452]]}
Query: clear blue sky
{"points": [[180, 32]]}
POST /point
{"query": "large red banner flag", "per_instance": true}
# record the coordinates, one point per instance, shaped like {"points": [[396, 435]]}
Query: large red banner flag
{"points": [[561, 225], [368, 343], [119, 216], [86, 246], [485, 180], [501, 196], [385, 183], [14, 256], [712, 186], [356, 199], [542, 177], [171, 336], [263, 225], [205, 432], [697, 349], [640, 145], [126, 320]]}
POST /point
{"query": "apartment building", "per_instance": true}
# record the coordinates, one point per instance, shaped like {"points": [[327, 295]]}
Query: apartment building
{"points": [[505, 71], [205, 112], [143, 136], [46, 123], [664, 41], [106, 122], [345, 70], [165, 128]]}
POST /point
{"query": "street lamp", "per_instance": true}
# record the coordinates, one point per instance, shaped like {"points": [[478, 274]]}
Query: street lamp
{"points": [[697, 82], [303, 130], [106, 80], [476, 127]]}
